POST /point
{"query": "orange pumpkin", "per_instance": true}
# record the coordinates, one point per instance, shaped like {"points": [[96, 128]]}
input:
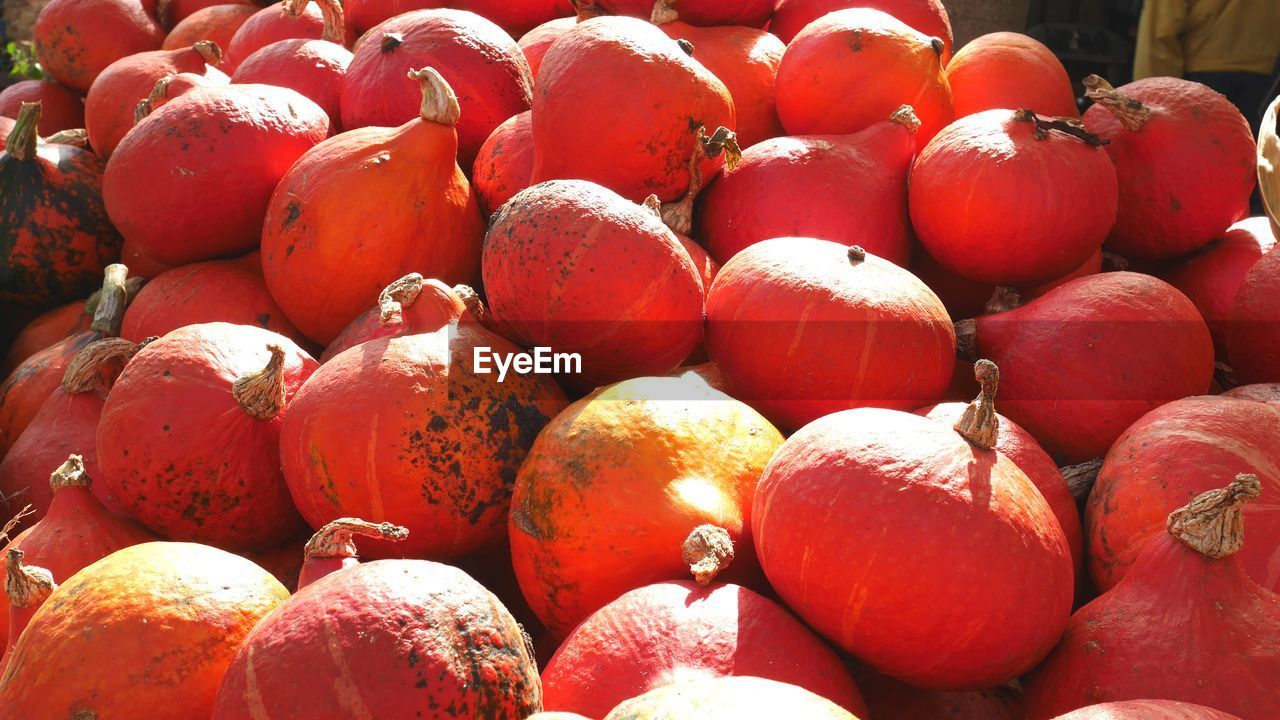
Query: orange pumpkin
{"points": [[46, 329], [217, 23], [1010, 70]]}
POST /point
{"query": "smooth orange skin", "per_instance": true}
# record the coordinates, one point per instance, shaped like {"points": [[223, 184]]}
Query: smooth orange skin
{"points": [[1260, 392], [706, 13], [927, 16], [1253, 323], [850, 189], [1009, 70], [30, 383], [853, 68], [269, 25], [145, 633], [517, 16], [636, 143], [75, 40], [218, 23], [1170, 456], [504, 165], [890, 699], [60, 109], [172, 12], [402, 429], [427, 220], [109, 106], [616, 482], [1179, 626], [927, 558], [46, 329], [1068, 359], [361, 15], [535, 43], [139, 262], [800, 332], [1147, 710], [315, 68]]}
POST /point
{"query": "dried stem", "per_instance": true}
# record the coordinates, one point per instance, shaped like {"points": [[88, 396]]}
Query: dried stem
{"points": [[708, 550], [1212, 524], [979, 423], [1131, 113]]}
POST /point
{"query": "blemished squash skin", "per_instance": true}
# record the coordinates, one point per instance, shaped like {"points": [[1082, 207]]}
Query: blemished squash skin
{"points": [[190, 452], [482, 64], [1253, 323], [1168, 457], [165, 618], [504, 165], [702, 13], [853, 68], [666, 632], [729, 698], [429, 642], [1147, 710], [1070, 356], [1009, 70], [990, 585], [635, 143], [535, 43], [223, 149], [927, 16], [1185, 174], [217, 23], [269, 25], [850, 189], [672, 453], [76, 40], [60, 109]]}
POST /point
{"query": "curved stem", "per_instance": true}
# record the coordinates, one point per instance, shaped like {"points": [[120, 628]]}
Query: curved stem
{"points": [[70, 474], [664, 11], [335, 539], [906, 117], [261, 393], [979, 423], [1212, 523], [97, 366], [1131, 113], [439, 104], [26, 585], [208, 51], [679, 215], [1066, 126], [75, 137], [21, 143], [334, 19], [152, 100], [708, 550], [399, 295], [112, 300]]}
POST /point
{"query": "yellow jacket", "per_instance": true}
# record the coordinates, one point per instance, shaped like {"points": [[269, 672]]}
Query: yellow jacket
{"points": [[1182, 36]]}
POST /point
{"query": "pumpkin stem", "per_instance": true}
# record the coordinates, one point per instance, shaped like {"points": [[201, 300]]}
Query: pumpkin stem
{"points": [[1212, 523], [391, 41], [334, 27], [1081, 478], [74, 137], [856, 254], [708, 550], [439, 104], [1131, 113], [1112, 262], [70, 474], [967, 339], [400, 294], [587, 9], [97, 366], [112, 300], [209, 51], [146, 105], [1003, 299], [21, 143], [679, 215], [1066, 126], [979, 423], [906, 117], [26, 585], [1225, 376], [261, 392], [938, 45], [664, 11], [335, 539]]}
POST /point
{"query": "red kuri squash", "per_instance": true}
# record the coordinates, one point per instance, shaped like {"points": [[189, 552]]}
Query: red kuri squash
{"points": [[46, 329], [1147, 710], [927, 16], [217, 24], [77, 39], [60, 109], [703, 13], [332, 547], [1253, 324], [889, 699], [504, 165], [535, 43], [269, 25], [1009, 70]]}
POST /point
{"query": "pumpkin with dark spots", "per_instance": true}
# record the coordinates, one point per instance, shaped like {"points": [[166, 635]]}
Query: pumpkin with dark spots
{"points": [[403, 428], [55, 236], [77, 39], [504, 165], [188, 440], [164, 619]]}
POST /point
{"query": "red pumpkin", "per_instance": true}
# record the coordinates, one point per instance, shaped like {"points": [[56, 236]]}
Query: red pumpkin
{"points": [[1262, 392], [77, 39], [145, 266], [1070, 356], [852, 68], [315, 68], [636, 143], [1147, 710], [574, 266], [728, 698], [821, 300], [1212, 277], [57, 235], [217, 24], [1009, 70], [535, 43], [1052, 192], [189, 437], [1253, 323], [172, 12], [221, 149], [269, 25], [365, 14], [114, 96], [519, 17], [429, 217], [703, 13], [60, 109], [430, 642], [25, 590], [332, 547], [850, 189], [1168, 457], [284, 561], [504, 165], [1185, 158], [411, 305], [927, 16], [1186, 623], [889, 699], [657, 634], [900, 592], [482, 64], [46, 329]]}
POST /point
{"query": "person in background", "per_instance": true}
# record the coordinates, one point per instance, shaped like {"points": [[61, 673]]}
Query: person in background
{"points": [[1230, 45]]}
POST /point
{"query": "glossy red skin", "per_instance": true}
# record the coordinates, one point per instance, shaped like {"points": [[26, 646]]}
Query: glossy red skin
{"points": [[1147, 710], [75, 40], [706, 13], [1261, 392], [172, 12], [535, 43], [1166, 459], [504, 165], [1092, 266], [634, 143], [231, 291], [1212, 277], [1017, 444], [111, 102], [1179, 626], [927, 16], [663, 633], [1253, 324], [850, 189], [865, 524], [182, 456], [269, 25], [1009, 70], [218, 23], [430, 642], [1046, 205], [574, 266], [780, 311], [441, 446], [60, 109], [519, 16], [30, 383], [853, 68], [234, 143], [889, 699], [1069, 359], [1185, 176], [482, 64], [315, 68], [45, 330]]}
